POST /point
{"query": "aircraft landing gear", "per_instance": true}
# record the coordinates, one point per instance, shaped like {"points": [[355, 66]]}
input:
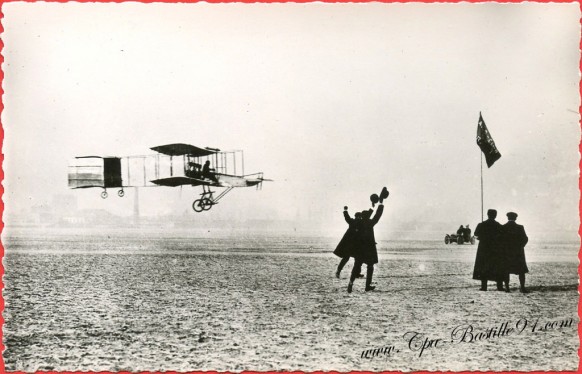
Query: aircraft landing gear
{"points": [[198, 206], [202, 204], [208, 200], [104, 194], [205, 202]]}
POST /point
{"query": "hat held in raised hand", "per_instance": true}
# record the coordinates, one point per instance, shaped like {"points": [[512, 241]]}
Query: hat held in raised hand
{"points": [[384, 194]]}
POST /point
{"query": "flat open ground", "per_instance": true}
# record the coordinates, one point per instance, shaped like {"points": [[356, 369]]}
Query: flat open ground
{"points": [[140, 302]]}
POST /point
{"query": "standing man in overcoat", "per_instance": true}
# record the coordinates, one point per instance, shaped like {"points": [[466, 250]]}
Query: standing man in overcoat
{"points": [[487, 262], [349, 242], [367, 252], [514, 241]]}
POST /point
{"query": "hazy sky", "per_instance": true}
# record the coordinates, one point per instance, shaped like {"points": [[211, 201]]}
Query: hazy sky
{"points": [[332, 101]]}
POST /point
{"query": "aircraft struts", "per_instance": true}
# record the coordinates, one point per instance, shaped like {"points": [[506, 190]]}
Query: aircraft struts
{"points": [[208, 200]]}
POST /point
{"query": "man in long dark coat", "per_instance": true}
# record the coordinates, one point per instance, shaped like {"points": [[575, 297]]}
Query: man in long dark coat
{"points": [[514, 241], [349, 242], [467, 233], [367, 252], [488, 260]]}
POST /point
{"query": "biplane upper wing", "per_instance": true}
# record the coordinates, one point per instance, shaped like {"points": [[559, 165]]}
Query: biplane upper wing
{"points": [[180, 181], [179, 149]]}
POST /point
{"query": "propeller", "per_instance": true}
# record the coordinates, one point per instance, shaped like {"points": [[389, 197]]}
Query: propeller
{"points": [[261, 180], [260, 185]]}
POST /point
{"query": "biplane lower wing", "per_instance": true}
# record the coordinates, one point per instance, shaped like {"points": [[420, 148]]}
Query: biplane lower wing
{"points": [[180, 181]]}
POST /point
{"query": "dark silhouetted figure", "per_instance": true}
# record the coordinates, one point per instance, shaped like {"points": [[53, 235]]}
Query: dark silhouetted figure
{"points": [[347, 246], [467, 233], [461, 231], [514, 240], [487, 262], [367, 252], [206, 173]]}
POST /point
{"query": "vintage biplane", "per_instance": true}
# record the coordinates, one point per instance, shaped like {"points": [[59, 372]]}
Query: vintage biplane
{"points": [[173, 165]]}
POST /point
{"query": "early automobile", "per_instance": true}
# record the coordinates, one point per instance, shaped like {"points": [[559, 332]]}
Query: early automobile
{"points": [[462, 236]]}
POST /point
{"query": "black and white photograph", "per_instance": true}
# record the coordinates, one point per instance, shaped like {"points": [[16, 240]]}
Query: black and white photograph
{"points": [[290, 186]]}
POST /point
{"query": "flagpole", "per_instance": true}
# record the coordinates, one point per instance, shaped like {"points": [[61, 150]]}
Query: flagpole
{"points": [[481, 185]]}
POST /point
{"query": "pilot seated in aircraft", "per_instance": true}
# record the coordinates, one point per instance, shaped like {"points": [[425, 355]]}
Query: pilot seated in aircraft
{"points": [[206, 172]]}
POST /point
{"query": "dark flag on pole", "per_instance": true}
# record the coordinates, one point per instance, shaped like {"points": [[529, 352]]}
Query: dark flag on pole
{"points": [[486, 143]]}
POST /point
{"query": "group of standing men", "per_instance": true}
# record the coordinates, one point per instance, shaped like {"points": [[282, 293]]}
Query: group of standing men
{"points": [[359, 241], [501, 249], [500, 252]]}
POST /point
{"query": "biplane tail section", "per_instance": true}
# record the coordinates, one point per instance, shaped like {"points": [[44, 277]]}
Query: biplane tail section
{"points": [[95, 171]]}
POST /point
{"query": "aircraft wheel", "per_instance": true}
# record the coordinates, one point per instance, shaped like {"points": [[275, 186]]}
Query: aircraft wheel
{"points": [[447, 239], [104, 195], [206, 203], [197, 205], [120, 193]]}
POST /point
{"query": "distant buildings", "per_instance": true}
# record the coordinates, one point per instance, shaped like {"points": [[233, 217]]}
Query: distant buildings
{"points": [[63, 212]]}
